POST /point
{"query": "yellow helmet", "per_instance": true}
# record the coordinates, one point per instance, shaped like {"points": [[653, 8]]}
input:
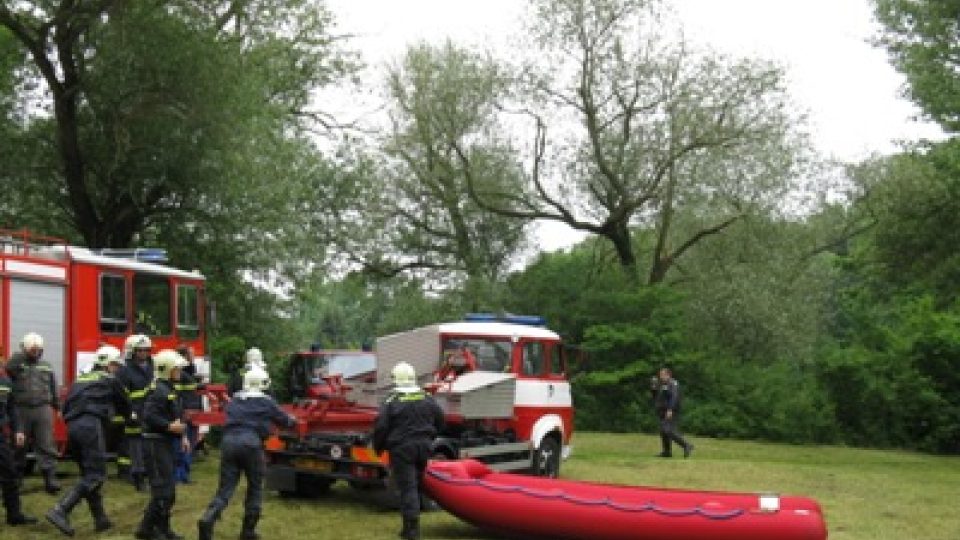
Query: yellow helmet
{"points": [[165, 362]]}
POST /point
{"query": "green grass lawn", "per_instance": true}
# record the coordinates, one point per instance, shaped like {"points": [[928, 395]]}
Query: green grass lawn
{"points": [[866, 494]]}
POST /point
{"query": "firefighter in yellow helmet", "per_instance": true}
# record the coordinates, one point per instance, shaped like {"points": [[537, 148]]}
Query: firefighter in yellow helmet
{"points": [[408, 421], [162, 428]]}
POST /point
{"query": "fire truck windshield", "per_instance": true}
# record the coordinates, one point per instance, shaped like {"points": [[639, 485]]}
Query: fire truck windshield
{"points": [[490, 354], [346, 364]]}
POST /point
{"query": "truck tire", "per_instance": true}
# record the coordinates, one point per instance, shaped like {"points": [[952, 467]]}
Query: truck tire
{"points": [[546, 459], [308, 487]]}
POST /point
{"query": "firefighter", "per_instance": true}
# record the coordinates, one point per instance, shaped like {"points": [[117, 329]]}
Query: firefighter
{"points": [[406, 425], [249, 416], [162, 428], [252, 358], [35, 393], [667, 403], [186, 387], [9, 472], [94, 399], [136, 376]]}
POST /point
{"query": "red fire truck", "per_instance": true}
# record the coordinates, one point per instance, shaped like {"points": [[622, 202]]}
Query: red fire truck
{"points": [[507, 402], [79, 299]]}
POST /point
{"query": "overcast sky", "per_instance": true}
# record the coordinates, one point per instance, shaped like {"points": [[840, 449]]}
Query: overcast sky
{"points": [[848, 87]]}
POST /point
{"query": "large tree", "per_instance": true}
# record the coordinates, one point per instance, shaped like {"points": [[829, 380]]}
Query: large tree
{"points": [[409, 212], [922, 38], [630, 126], [144, 107]]}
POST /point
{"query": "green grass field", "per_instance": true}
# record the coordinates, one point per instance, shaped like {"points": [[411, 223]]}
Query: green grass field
{"points": [[866, 494]]}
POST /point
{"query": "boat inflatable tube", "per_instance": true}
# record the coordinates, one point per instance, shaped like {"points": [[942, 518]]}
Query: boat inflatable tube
{"points": [[535, 507]]}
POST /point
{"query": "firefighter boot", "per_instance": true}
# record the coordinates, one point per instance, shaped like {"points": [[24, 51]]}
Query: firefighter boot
{"points": [[411, 529], [11, 501], [59, 515], [148, 525], [206, 522], [50, 483], [249, 531], [100, 520], [163, 523]]}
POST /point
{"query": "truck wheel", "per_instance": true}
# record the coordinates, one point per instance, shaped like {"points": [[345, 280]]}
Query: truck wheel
{"points": [[546, 459], [308, 488]]}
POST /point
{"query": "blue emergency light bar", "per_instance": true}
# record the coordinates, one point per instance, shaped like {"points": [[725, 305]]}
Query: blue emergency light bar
{"points": [[528, 320]]}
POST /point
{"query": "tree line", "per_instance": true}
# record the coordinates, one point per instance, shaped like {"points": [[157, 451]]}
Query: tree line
{"points": [[797, 299]]}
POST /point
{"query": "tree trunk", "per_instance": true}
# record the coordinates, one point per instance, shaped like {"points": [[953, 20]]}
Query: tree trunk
{"points": [[619, 235]]}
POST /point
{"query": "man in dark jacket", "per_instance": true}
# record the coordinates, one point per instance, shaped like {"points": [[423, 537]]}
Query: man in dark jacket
{"points": [[136, 376], [667, 402], [406, 425], [35, 392], [249, 416], [162, 428], [186, 387], [9, 472], [94, 399]]}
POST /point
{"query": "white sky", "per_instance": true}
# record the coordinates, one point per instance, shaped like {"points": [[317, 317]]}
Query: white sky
{"points": [[847, 86]]}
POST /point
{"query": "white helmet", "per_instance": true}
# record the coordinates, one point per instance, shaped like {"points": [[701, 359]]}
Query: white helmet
{"points": [[136, 341], [106, 355], [404, 378], [32, 340], [255, 381], [254, 358], [165, 361]]}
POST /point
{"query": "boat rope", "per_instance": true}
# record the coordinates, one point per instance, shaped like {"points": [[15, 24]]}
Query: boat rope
{"points": [[605, 501]]}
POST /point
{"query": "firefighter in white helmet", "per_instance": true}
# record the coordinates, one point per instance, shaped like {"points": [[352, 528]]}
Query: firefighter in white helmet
{"points": [[408, 422], [252, 358], [249, 416], [136, 376], [163, 427], [94, 399], [35, 392]]}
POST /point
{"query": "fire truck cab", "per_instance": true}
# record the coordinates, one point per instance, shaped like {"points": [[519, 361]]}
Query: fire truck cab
{"points": [[79, 299]]}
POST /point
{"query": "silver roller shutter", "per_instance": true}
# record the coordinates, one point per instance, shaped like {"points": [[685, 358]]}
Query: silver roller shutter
{"points": [[39, 307]]}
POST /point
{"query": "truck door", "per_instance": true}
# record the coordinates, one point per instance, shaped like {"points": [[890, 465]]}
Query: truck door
{"points": [[40, 307]]}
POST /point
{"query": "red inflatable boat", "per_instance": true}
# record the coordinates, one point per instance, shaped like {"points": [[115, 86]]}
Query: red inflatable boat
{"points": [[535, 507]]}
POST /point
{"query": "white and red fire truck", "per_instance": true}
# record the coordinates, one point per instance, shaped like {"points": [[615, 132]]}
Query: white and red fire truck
{"points": [[79, 299], [500, 380]]}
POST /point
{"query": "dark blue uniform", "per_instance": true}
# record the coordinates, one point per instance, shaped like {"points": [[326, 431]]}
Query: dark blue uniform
{"points": [[241, 452], [136, 378], [94, 399], [161, 407], [406, 426], [667, 398], [186, 388], [9, 474]]}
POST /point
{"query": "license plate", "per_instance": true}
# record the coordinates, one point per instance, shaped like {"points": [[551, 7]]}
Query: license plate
{"points": [[313, 465]]}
